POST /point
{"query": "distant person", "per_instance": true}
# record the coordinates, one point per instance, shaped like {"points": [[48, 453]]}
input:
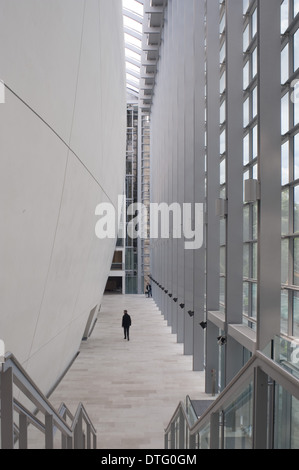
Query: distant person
{"points": [[126, 323], [149, 290]]}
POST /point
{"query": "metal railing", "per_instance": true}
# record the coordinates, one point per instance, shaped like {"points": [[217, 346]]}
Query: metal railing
{"points": [[77, 432], [249, 390]]}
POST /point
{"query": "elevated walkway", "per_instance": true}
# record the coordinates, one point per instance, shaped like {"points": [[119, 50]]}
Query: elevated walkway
{"points": [[130, 388]]}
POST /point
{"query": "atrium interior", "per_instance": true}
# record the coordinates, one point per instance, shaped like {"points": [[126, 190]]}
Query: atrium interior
{"points": [[183, 117]]}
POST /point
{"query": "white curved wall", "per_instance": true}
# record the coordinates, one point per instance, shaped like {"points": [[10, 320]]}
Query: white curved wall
{"points": [[65, 60]]}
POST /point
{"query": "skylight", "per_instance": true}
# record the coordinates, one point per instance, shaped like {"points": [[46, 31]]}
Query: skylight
{"points": [[133, 19]]}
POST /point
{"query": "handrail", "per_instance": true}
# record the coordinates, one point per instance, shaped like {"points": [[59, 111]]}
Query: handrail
{"points": [[237, 382], [12, 373], [259, 360]]}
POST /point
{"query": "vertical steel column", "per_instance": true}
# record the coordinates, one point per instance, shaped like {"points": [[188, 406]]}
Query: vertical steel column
{"points": [[49, 431], [7, 437], [181, 159], [269, 171], [234, 180], [174, 81], [182, 428], [172, 435], [188, 110], [168, 156], [214, 433], [213, 185], [23, 431], [199, 180], [164, 161], [78, 434], [170, 160], [260, 409]]}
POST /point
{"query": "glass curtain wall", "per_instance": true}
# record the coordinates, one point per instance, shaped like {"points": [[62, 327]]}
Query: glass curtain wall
{"points": [[131, 195], [290, 167], [250, 145], [223, 193], [145, 197], [289, 163]]}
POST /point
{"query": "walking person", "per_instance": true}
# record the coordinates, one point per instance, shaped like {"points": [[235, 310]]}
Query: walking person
{"points": [[148, 290], [126, 323]]}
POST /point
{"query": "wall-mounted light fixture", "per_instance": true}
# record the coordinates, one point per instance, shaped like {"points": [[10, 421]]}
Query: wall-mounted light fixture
{"points": [[191, 313], [221, 340], [175, 299], [170, 295], [203, 324], [182, 305]]}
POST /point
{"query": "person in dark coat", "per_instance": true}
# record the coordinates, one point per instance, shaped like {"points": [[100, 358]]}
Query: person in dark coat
{"points": [[126, 323], [148, 290]]}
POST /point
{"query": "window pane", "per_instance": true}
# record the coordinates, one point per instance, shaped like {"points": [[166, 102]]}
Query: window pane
{"points": [[296, 262], [254, 23], [254, 102], [284, 312], [246, 150], [296, 209], [254, 63], [222, 172], [246, 261], [254, 142], [285, 163], [284, 261], [296, 315], [295, 99], [246, 224], [246, 113], [222, 24], [254, 260], [222, 53], [222, 113], [222, 83], [296, 50], [285, 212], [222, 294], [285, 64], [284, 15], [245, 6], [296, 7], [245, 297], [296, 156], [245, 178], [285, 114], [246, 76], [222, 259], [222, 142], [253, 300], [254, 221], [246, 38]]}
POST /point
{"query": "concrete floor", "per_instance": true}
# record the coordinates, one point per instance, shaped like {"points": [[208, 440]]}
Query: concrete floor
{"points": [[130, 389]]}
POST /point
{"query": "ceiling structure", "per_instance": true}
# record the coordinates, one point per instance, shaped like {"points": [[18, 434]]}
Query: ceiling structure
{"points": [[133, 23], [143, 24]]}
